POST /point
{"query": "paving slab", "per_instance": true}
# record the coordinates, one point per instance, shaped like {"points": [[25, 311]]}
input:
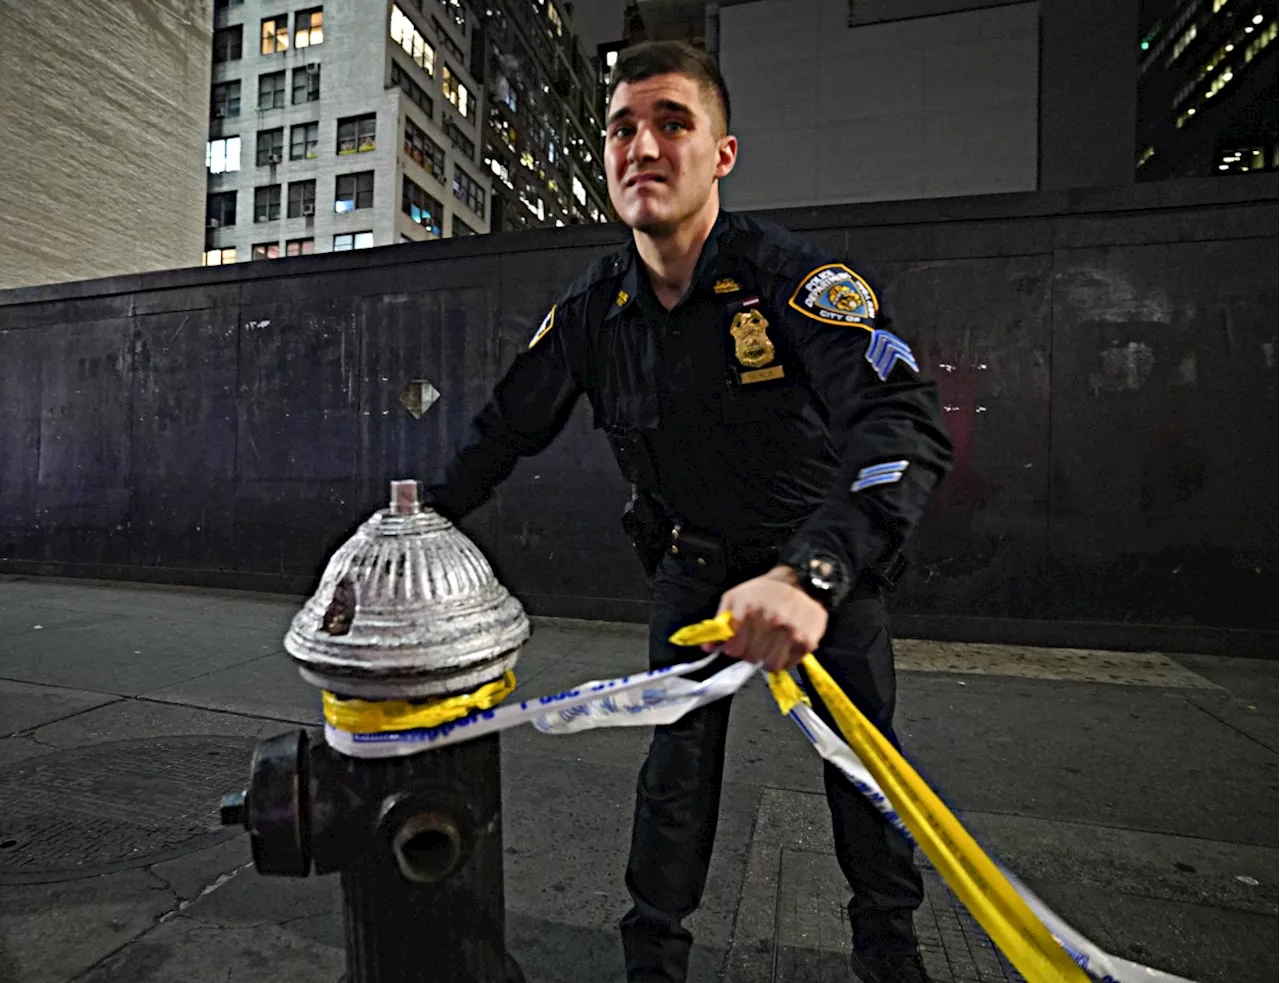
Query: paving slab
{"points": [[127, 719], [26, 705], [1140, 758], [127, 656], [270, 686]]}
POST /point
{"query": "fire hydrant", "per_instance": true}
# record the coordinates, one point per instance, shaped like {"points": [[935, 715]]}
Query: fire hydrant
{"points": [[407, 614]]}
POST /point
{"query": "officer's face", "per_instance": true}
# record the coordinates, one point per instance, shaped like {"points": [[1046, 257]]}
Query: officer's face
{"points": [[664, 152]]}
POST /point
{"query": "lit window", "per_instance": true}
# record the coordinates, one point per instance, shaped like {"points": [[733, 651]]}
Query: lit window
{"points": [[579, 191], [352, 240], [275, 34], [553, 15], [353, 191], [1181, 46], [1219, 4], [457, 93], [1147, 154], [308, 27], [357, 134], [611, 59], [220, 257], [421, 206], [1267, 35], [410, 38], [265, 250], [223, 155], [500, 169], [526, 158], [299, 247]]}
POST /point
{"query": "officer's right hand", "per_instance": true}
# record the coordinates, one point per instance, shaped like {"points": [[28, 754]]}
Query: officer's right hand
{"points": [[775, 623]]}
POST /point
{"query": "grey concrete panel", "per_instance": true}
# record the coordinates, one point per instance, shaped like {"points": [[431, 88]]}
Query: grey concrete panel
{"points": [[1047, 749], [52, 933], [267, 687], [129, 719], [23, 706], [127, 657]]}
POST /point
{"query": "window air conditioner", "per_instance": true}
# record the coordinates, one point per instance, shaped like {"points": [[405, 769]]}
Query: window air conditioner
{"points": [[273, 158], [308, 208], [214, 223], [219, 113]]}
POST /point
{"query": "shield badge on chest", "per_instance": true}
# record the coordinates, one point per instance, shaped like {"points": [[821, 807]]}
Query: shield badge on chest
{"points": [[751, 344]]}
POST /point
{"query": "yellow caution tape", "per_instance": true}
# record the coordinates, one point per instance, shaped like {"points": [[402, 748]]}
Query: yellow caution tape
{"points": [[786, 691], [970, 873], [380, 716], [717, 629]]}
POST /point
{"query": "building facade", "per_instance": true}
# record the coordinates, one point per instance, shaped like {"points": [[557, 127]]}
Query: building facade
{"points": [[90, 185], [899, 99], [342, 126], [355, 123], [1206, 88], [544, 136]]}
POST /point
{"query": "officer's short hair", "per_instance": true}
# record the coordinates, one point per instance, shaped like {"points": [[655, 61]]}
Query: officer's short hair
{"points": [[650, 58]]}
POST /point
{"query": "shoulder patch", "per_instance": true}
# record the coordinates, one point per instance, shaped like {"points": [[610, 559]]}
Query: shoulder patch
{"points": [[834, 293], [543, 328]]}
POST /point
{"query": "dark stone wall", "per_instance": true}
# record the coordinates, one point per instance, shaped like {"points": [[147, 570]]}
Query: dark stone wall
{"points": [[1107, 358]]}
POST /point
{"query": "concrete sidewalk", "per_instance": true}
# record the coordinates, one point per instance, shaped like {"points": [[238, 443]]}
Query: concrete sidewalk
{"points": [[1135, 793]]}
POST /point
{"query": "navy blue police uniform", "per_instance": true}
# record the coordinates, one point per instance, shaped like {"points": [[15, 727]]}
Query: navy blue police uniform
{"points": [[771, 417]]}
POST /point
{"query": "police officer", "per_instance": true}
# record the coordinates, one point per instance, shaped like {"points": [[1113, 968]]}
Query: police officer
{"points": [[781, 445]]}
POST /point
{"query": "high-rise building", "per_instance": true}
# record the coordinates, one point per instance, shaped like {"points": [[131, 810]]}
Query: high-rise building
{"points": [[342, 126], [101, 126], [1206, 88], [355, 123], [544, 134]]}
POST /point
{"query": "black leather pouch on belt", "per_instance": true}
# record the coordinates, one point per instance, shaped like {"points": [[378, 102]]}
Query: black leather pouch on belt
{"points": [[701, 554]]}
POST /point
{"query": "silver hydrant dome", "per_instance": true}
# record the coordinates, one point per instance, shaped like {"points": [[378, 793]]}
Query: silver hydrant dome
{"points": [[408, 607]]}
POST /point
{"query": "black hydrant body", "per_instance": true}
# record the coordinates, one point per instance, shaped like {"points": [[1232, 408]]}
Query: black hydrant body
{"points": [[415, 837]]}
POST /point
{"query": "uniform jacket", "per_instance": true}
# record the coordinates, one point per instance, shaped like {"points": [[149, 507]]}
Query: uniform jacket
{"points": [[775, 404]]}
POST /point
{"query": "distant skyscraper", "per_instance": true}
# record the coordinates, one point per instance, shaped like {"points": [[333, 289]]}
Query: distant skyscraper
{"points": [[1206, 88], [352, 124]]}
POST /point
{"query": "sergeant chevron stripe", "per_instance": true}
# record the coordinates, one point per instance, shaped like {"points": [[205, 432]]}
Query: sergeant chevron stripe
{"points": [[885, 349], [879, 474]]}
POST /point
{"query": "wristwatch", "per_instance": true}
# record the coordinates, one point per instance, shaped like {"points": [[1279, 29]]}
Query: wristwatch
{"points": [[821, 576]]}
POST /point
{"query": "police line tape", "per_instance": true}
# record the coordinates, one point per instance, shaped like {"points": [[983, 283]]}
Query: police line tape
{"points": [[999, 902]]}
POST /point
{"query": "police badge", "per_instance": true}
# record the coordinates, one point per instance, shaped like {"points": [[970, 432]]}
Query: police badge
{"points": [[750, 343]]}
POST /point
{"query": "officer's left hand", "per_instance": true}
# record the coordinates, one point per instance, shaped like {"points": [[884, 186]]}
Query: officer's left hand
{"points": [[775, 623]]}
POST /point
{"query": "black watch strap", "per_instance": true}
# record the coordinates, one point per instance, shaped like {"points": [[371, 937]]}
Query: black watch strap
{"points": [[821, 576]]}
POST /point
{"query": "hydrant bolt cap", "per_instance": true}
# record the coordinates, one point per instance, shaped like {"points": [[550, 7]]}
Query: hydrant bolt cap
{"points": [[232, 809]]}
